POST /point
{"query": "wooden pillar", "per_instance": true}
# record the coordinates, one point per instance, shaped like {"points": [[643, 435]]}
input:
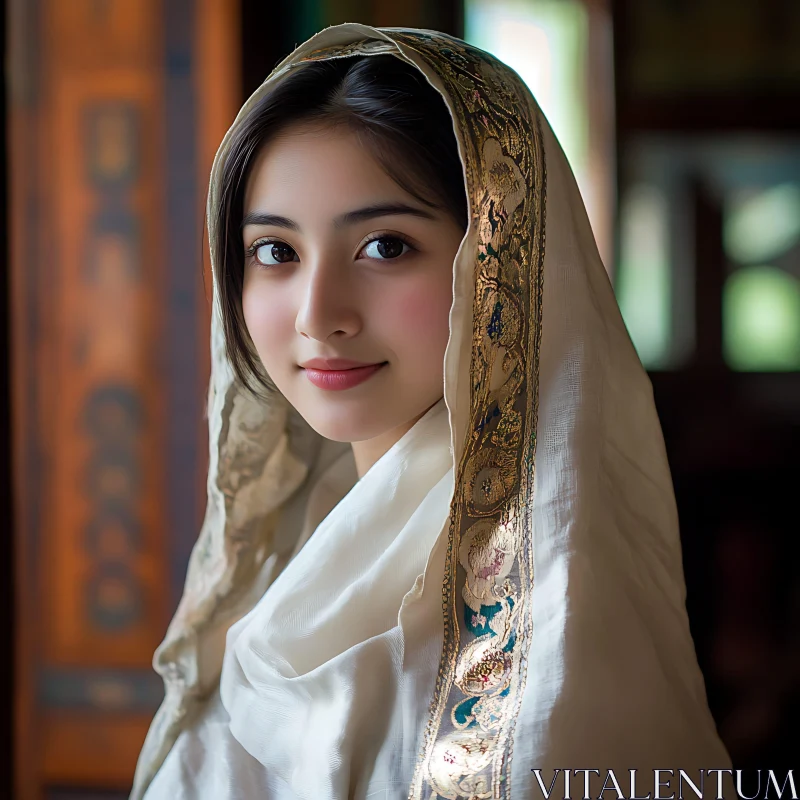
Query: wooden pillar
{"points": [[115, 109]]}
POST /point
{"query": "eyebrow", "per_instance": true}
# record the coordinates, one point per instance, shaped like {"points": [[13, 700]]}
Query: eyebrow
{"points": [[348, 218]]}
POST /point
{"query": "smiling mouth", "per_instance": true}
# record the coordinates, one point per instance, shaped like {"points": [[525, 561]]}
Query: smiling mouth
{"points": [[337, 380]]}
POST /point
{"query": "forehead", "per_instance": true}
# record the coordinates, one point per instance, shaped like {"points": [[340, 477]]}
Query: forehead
{"points": [[317, 169]]}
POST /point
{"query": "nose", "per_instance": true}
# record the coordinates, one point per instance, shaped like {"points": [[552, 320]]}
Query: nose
{"points": [[328, 303]]}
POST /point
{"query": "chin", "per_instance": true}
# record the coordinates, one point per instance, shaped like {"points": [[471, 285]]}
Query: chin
{"points": [[346, 425]]}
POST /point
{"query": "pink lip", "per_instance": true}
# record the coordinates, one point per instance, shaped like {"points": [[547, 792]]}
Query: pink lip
{"points": [[334, 364], [337, 374]]}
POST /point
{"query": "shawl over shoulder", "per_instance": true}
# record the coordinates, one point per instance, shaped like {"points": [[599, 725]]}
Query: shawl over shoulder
{"points": [[565, 642]]}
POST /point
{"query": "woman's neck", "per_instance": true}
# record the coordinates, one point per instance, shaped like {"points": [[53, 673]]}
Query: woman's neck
{"points": [[366, 453]]}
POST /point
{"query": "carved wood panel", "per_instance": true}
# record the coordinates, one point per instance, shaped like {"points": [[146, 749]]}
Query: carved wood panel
{"points": [[116, 108]]}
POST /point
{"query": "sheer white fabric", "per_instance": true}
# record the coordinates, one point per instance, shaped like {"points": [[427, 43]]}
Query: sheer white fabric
{"points": [[324, 686], [613, 677]]}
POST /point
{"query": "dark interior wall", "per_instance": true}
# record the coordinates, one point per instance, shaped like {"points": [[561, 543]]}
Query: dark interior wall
{"points": [[270, 31], [6, 517], [267, 36], [732, 75]]}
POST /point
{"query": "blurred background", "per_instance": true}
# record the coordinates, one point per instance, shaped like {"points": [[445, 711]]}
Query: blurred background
{"points": [[681, 119]]}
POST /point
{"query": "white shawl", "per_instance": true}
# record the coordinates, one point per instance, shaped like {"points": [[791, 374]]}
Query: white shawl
{"points": [[321, 679], [549, 630]]}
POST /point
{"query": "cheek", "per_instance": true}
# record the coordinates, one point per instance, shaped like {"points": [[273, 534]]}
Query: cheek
{"points": [[417, 318], [269, 321]]}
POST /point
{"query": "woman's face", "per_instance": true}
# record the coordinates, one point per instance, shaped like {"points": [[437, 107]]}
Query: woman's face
{"points": [[347, 285]]}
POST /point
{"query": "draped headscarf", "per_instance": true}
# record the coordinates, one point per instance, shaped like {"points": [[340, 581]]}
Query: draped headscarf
{"points": [[553, 589]]}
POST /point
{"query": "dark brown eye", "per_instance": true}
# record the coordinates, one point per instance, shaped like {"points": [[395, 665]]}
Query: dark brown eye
{"points": [[386, 247], [271, 253]]}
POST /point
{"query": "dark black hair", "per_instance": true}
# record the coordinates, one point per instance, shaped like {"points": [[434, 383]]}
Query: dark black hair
{"points": [[400, 118]]}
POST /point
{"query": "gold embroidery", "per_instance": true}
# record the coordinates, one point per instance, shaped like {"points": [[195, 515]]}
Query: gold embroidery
{"points": [[467, 750], [488, 479]]}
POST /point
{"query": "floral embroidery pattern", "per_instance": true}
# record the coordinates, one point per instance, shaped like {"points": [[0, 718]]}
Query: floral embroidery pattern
{"points": [[468, 744]]}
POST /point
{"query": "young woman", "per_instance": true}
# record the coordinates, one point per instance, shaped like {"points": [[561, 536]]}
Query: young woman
{"points": [[441, 549]]}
